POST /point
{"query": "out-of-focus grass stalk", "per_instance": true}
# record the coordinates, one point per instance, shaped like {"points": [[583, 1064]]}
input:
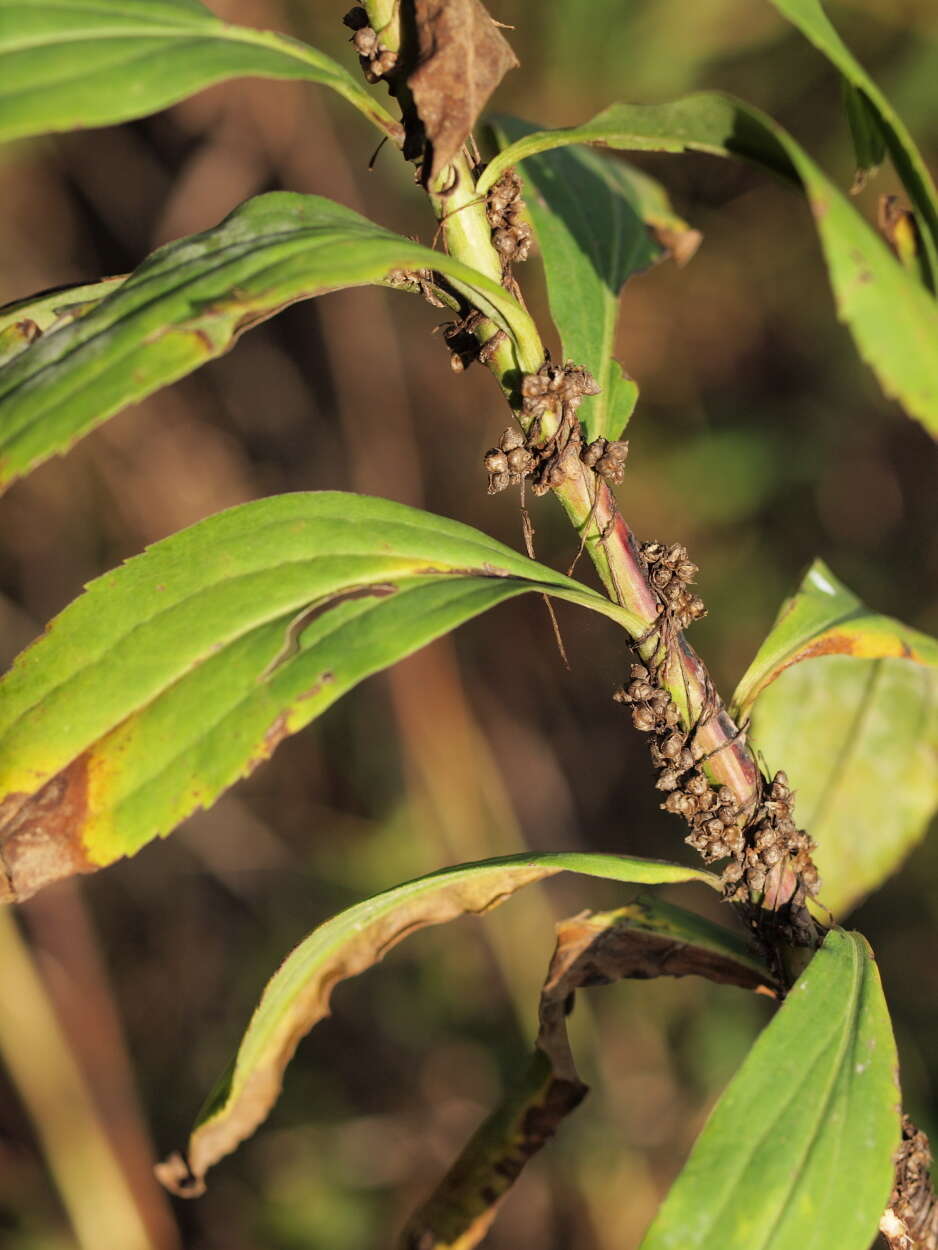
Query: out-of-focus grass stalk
{"points": [[35, 1050]]}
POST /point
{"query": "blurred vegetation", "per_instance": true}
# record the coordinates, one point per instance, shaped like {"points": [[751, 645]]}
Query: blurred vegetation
{"points": [[760, 441]]}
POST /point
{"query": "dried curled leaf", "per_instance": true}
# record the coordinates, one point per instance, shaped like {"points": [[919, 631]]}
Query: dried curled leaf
{"points": [[645, 939], [298, 995], [462, 57]]}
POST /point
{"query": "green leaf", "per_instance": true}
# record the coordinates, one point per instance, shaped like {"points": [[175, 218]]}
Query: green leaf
{"points": [[644, 939], [298, 995], [22, 322], [798, 1152], [893, 320], [190, 300], [78, 63], [859, 742], [179, 672], [598, 222], [855, 729], [813, 22], [869, 144], [824, 617]]}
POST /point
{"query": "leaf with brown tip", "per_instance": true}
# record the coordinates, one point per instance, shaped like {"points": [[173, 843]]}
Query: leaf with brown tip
{"points": [[645, 939], [298, 996]]}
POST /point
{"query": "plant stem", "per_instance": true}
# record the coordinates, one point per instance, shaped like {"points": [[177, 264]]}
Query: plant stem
{"points": [[592, 510]]}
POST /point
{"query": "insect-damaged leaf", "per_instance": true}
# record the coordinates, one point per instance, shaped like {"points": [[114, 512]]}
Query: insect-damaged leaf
{"points": [[179, 672], [644, 939], [189, 302], [855, 728], [298, 995], [75, 64], [462, 57], [798, 1152], [893, 320], [813, 22], [598, 223], [22, 322]]}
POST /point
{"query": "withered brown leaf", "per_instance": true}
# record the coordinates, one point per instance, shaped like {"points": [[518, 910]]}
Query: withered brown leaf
{"points": [[647, 938], [461, 58]]}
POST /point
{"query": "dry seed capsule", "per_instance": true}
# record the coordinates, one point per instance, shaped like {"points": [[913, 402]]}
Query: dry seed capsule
{"points": [[718, 850], [771, 855], [592, 454], [365, 41], [672, 746], [611, 471], [652, 552], [638, 672], [667, 779], [696, 608], [675, 554], [707, 801], [511, 438], [499, 482], [660, 577], [686, 570], [643, 718], [520, 460], [726, 796], [685, 760], [780, 788], [679, 804], [713, 827], [671, 715], [495, 461], [732, 873], [697, 784], [641, 690], [756, 880]]}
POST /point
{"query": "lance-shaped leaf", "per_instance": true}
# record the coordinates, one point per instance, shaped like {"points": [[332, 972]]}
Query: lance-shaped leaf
{"points": [[893, 320], [75, 64], [810, 18], [645, 939], [855, 729], [798, 1152], [179, 672], [824, 617], [190, 301], [298, 995], [598, 222]]}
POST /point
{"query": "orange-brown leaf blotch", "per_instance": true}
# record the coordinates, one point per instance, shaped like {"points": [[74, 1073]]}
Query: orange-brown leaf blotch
{"points": [[40, 834], [462, 57]]}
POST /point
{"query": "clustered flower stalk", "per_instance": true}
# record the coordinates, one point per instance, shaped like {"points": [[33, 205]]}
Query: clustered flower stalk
{"points": [[576, 475]]}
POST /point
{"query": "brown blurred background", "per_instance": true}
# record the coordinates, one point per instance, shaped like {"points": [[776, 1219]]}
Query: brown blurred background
{"points": [[759, 440]]}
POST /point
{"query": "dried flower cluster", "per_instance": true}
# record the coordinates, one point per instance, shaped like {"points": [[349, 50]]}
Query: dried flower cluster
{"points": [[911, 1219], [754, 842], [771, 836], [504, 207], [671, 572], [376, 61], [711, 811], [549, 402]]}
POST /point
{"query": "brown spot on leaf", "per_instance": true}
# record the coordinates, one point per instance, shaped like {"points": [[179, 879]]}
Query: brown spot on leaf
{"points": [[461, 58], [41, 834]]}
